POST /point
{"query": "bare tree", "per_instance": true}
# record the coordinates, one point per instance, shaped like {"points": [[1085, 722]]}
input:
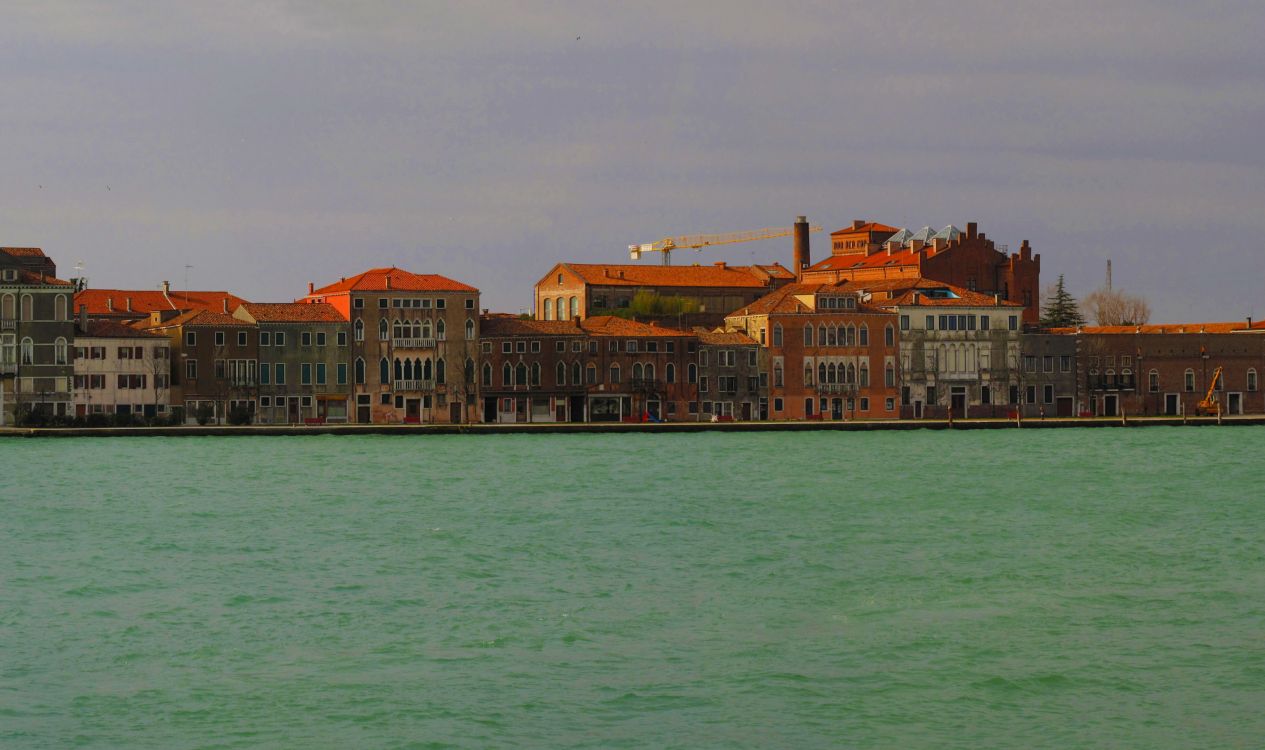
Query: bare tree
{"points": [[1113, 307]]}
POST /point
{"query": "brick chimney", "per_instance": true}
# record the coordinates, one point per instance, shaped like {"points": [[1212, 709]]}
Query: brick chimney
{"points": [[311, 288], [802, 249], [109, 304], [970, 230], [857, 223], [166, 287], [722, 265]]}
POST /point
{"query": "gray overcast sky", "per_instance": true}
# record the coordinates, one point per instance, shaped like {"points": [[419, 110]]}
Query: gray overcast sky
{"points": [[272, 144]]}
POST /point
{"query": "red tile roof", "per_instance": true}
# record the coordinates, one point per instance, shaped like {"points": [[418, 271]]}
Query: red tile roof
{"points": [[875, 260], [609, 325], [197, 318], [377, 280], [28, 252], [869, 226], [145, 301], [723, 338], [33, 278], [112, 329], [784, 301], [962, 298], [720, 275], [293, 312], [1159, 328], [507, 325]]}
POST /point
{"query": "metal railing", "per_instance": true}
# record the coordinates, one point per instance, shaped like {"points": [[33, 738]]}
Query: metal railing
{"points": [[414, 385], [411, 343]]}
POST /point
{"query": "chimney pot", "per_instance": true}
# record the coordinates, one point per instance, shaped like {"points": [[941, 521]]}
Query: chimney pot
{"points": [[311, 287], [166, 287], [224, 302], [109, 304], [127, 301], [388, 281], [858, 223]]}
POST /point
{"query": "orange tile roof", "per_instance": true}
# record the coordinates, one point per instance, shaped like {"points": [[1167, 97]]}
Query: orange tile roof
{"points": [[874, 260], [197, 318], [503, 325], [377, 279], [869, 226], [609, 274], [609, 325], [723, 338], [784, 301], [293, 312], [27, 252], [145, 301], [112, 329], [963, 298], [33, 278]]}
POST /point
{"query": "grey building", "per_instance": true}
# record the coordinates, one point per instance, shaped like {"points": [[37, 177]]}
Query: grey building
{"points": [[304, 361], [37, 331], [732, 377], [1047, 375]]}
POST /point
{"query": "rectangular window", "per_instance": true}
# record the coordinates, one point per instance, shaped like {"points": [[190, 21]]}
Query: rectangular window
{"points": [[904, 322], [469, 303], [305, 338], [219, 369], [1047, 394], [191, 338], [1031, 394], [1065, 363], [1014, 322], [652, 346], [630, 346], [191, 369], [219, 338], [983, 322], [535, 347], [382, 303], [560, 346], [440, 303], [865, 403], [341, 373], [265, 373], [320, 338], [320, 373], [241, 338], [342, 338], [279, 339], [521, 346], [777, 404], [305, 374], [1047, 363], [280, 372], [265, 338], [265, 401], [931, 322], [702, 385]]}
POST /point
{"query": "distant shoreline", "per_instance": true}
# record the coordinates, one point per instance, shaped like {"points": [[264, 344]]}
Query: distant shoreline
{"points": [[624, 428]]}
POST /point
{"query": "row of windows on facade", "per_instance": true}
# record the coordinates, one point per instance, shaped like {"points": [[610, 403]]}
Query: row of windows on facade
{"points": [[423, 303], [123, 352], [558, 308], [409, 329], [269, 338], [959, 322], [12, 351], [830, 373], [24, 310], [243, 371], [530, 376], [631, 345], [123, 382], [835, 406], [836, 335]]}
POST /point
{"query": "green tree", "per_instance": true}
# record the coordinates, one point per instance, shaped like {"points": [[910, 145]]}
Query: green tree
{"points": [[1061, 311]]}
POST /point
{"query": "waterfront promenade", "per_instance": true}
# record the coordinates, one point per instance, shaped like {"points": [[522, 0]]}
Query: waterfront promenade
{"points": [[624, 427]]}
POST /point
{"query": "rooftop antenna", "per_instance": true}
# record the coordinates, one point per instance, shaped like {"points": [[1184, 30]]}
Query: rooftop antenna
{"points": [[1109, 274], [186, 276], [80, 281]]}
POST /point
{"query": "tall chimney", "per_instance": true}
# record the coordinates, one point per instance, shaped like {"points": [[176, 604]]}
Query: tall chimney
{"points": [[225, 301], [166, 287], [970, 230], [803, 258], [311, 288]]}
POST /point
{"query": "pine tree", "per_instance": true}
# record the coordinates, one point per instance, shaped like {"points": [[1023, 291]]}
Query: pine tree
{"points": [[1061, 311]]}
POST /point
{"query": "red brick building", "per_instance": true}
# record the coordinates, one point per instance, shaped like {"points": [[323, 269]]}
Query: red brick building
{"points": [[830, 354], [580, 290], [214, 361], [414, 345], [869, 252], [600, 369]]}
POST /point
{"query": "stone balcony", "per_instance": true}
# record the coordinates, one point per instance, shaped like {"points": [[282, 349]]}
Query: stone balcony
{"points": [[414, 385], [414, 343]]}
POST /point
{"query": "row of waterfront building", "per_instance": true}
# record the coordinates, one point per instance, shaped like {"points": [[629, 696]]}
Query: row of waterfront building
{"points": [[892, 324]]}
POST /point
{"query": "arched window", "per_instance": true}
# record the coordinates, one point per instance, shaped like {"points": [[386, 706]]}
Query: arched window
{"points": [[360, 371], [670, 373], [1153, 381], [28, 307], [547, 306], [832, 336], [575, 307], [636, 372], [469, 329], [441, 371], [560, 376], [590, 374], [59, 350], [427, 370], [562, 311], [821, 373], [441, 332], [426, 328], [487, 373], [889, 335], [399, 370], [28, 351], [614, 373], [889, 375], [777, 334], [535, 373], [852, 335], [865, 335], [808, 373], [384, 371], [8, 307], [831, 374], [1190, 380], [507, 374], [59, 310], [649, 371], [1251, 379], [520, 374], [360, 330], [382, 329], [852, 374], [575, 373], [865, 374], [691, 373], [821, 334], [469, 370], [1126, 378], [808, 334], [397, 330]]}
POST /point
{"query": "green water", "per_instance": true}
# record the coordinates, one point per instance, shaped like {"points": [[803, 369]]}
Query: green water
{"points": [[1033, 588]]}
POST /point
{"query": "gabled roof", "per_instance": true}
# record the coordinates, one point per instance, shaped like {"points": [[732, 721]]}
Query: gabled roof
{"points": [[873, 260], [609, 325], [869, 226], [394, 279], [292, 312], [784, 300], [197, 318], [25, 252], [717, 275], [510, 325], [112, 329], [937, 294], [723, 338], [145, 301]]}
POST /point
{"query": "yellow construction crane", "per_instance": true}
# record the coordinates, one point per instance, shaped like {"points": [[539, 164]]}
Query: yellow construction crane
{"points": [[697, 241], [1211, 406]]}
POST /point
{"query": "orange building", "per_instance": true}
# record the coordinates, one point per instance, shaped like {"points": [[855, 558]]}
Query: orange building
{"points": [[871, 252], [831, 354]]}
